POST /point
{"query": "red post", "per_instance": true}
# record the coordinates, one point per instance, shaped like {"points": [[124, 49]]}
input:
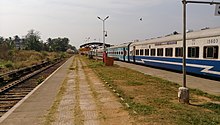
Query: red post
{"points": [[104, 57]]}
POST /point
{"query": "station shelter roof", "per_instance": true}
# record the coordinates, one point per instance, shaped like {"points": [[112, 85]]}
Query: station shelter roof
{"points": [[93, 45]]}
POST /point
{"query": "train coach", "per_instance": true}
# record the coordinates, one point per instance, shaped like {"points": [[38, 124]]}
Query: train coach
{"points": [[202, 49], [119, 52]]}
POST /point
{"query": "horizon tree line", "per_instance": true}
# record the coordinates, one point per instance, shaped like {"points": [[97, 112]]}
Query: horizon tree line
{"points": [[32, 41]]}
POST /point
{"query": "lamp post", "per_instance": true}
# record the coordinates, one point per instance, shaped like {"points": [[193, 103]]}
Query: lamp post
{"points": [[104, 50]]}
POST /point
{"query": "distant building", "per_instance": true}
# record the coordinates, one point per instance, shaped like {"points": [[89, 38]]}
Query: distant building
{"points": [[17, 42]]}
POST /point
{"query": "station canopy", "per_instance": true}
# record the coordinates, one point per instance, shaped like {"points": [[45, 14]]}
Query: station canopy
{"points": [[94, 45]]}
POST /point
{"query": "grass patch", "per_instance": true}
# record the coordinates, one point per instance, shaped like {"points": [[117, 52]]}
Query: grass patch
{"points": [[134, 83], [212, 106], [40, 80], [201, 93], [96, 64], [142, 109], [155, 100], [16, 59]]}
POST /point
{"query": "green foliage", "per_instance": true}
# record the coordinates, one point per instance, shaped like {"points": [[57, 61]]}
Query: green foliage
{"points": [[212, 106], [40, 80], [1, 66], [196, 118], [201, 93], [9, 64], [11, 54], [32, 41], [61, 55], [44, 54], [58, 44], [142, 109], [95, 64]]}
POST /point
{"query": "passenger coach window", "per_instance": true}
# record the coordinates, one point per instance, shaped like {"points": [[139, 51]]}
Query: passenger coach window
{"points": [[210, 52], [179, 52], [137, 52], [141, 52], [146, 52], [169, 52], [193, 52], [152, 52], [160, 52]]}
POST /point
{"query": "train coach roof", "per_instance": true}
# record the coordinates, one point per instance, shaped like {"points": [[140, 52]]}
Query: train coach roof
{"points": [[120, 45], [191, 35]]}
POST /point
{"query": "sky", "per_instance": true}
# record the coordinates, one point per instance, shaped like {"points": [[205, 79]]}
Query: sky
{"points": [[77, 19]]}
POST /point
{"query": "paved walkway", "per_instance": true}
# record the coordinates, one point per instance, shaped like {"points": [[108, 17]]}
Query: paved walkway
{"points": [[206, 85], [74, 95]]}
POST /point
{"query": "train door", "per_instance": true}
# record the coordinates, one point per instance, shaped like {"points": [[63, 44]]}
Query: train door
{"points": [[124, 54], [133, 54], [128, 52]]}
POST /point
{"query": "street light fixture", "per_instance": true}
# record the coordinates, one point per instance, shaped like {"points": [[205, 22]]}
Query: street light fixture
{"points": [[104, 35]]}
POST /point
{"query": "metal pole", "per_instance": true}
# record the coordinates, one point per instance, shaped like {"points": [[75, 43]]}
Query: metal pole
{"points": [[184, 43], [184, 34], [183, 93], [103, 35]]}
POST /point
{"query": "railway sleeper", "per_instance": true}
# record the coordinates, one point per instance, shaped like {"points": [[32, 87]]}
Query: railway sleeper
{"points": [[8, 106], [13, 96], [10, 99], [3, 110], [18, 91]]}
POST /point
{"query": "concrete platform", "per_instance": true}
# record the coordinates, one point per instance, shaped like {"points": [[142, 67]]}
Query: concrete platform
{"points": [[32, 109], [206, 85], [73, 95]]}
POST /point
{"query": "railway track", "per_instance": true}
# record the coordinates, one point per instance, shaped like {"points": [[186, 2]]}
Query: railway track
{"points": [[15, 89]]}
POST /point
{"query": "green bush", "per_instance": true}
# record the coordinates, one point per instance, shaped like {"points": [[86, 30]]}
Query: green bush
{"points": [[1, 66], [9, 64]]}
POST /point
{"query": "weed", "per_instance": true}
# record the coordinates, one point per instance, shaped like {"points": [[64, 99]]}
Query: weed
{"points": [[9, 64], [95, 64], [40, 80], [50, 117], [212, 106], [195, 118], [1, 66], [142, 109], [201, 93], [134, 83]]}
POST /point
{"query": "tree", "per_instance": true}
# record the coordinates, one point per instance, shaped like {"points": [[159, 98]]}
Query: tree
{"points": [[58, 44], [9, 42], [1, 40], [32, 41]]}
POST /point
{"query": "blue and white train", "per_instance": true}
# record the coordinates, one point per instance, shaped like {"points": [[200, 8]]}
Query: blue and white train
{"points": [[203, 55]]}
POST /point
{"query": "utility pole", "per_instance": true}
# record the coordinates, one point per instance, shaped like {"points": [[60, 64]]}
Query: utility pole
{"points": [[183, 93]]}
